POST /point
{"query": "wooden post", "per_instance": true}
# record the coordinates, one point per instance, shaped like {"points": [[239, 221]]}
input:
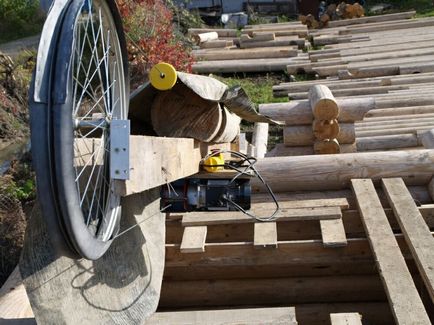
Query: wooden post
{"points": [[260, 139]]}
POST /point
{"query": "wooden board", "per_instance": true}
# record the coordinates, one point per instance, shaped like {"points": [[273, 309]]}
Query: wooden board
{"points": [[193, 239], [250, 316], [346, 319], [403, 297], [265, 235], [155, 161], [416, 232], [228, 217], [333, 233]]}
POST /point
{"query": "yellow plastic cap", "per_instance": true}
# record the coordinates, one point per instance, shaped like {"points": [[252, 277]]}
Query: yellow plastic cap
{"points": [[163, 76], [214, 163]]}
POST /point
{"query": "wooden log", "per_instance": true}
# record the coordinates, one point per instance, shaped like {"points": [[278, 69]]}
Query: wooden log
{"points": [[182, 113], [248, 65], [299, 112], [229, 128], [205, 37], [325, 129], [395, 131], [260, 139], [336, 171], [280, 41], [416, 232], [280, 150], [216, 44], [245, 38], [323, 103], [222, 32], [397, 118], [404, 299], [385, 142], [268, 291], [240, 54], [392, 26], [353, 92], [371, 19], [325, 147], [302, 135], [384, 125]]}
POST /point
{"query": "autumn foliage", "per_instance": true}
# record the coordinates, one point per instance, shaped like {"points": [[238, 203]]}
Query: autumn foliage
{"points": [[152, 38]]}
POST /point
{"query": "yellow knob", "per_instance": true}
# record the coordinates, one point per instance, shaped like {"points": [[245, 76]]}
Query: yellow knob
{"points": [[163, 76]]}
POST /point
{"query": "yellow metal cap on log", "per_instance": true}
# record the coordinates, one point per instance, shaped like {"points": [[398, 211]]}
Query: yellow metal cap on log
{"points": [[163, 76]]}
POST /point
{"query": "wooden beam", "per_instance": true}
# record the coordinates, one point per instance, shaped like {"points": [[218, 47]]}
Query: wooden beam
{"points": [[155, 161], [327, 172], [193, 239], [323, 103], [251, 316], [404, 299], [265, 235], [333, 233], [346, 319], [416, 232], [228, 217]]}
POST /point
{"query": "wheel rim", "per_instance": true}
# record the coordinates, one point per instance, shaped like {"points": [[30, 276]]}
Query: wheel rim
{"points": [[99, 96]]}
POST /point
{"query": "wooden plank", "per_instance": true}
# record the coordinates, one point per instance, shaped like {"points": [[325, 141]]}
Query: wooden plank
{"points": [[333, 233], [416, 232], [155, 161], [14, 303], [403, 297], [250, 316], [346, 319], [193, 239], [228, 217], [265, 235]]}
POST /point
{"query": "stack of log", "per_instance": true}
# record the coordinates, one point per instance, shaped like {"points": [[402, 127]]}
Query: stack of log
{"points": [[259, 48], [332, 13], [319, 125]]}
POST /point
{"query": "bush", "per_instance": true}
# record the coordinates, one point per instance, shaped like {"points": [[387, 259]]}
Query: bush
{"points": [[19, 18], [151, 38]]}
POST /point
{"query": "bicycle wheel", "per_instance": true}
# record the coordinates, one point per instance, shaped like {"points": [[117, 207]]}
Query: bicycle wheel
{"points": [[91, 66]]}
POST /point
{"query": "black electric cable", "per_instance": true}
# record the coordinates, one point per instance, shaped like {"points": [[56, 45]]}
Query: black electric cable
{"points": [[237, 166]]}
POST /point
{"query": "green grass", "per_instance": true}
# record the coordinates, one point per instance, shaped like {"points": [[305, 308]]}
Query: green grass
{"points": [[424, 8], [259, 88]]}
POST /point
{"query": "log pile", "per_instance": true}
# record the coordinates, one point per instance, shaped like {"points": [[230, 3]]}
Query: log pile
{"points": [[320, 125], [259, 48]]}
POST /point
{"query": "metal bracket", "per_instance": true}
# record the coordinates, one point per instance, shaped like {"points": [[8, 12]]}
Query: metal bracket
{"points": [[120, 149]]}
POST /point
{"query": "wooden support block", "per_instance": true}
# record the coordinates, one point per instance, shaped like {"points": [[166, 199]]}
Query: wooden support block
{"points": [[324, 147], [265, 235], [230, 217], [325, 129], [346, 319], [404, 299], [193, 239], [416, 232], [333, 233]]}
